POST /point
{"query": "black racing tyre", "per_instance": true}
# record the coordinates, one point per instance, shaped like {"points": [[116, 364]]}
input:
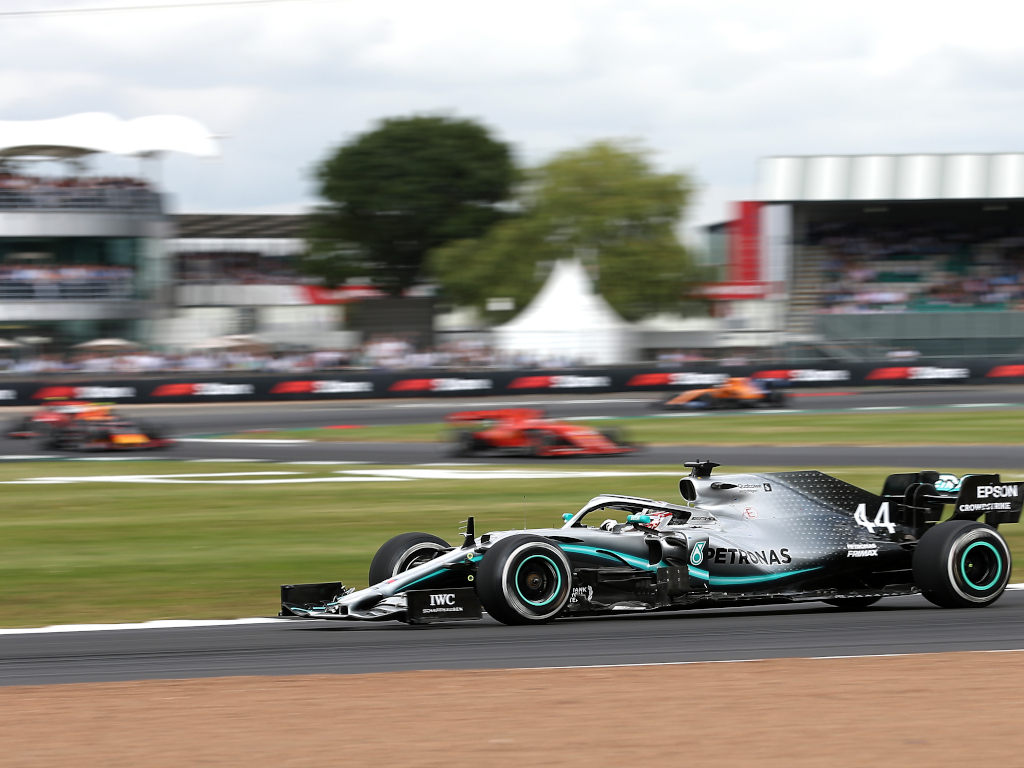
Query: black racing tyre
{"points": [[463, 442], [776, 398], [708, 401], [613, 435], [65, 440], [524, 580], [403, 552], [152, 431], [540, 442], [852, 603], [21, 425], [962, 564]]}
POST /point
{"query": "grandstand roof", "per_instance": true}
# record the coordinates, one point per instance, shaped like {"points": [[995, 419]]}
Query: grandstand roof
{"points": [[92, 132], [240, 225], [891, 177]]}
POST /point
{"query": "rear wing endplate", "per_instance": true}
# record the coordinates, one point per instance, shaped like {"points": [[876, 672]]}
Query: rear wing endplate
{"points": [[971, 496], [987, 495]]}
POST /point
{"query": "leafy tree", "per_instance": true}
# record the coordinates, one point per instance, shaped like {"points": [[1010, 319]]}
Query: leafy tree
{"points": [[603, 203], [410, 185]]}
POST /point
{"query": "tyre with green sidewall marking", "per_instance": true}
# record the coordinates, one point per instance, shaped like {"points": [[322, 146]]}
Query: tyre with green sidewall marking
{"points": [[524, 580], [962, 564], [405, 551]]}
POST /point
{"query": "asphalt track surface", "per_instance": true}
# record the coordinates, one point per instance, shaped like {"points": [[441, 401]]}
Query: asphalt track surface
{"points": [[194, 424], [894, 626]]}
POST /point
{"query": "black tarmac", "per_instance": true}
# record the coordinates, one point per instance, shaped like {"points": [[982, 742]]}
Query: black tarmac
{"points": [[894, 626], [194, 424]]}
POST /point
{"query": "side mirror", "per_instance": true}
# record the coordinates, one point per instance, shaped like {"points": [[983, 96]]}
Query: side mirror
{"points": [[567, 516]]}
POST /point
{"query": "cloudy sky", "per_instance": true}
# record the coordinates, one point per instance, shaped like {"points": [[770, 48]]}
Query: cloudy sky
{"points": [[709, 87]]}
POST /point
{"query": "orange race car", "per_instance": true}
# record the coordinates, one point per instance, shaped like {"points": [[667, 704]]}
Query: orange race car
{"points": [[525, 432], [735, 392]]}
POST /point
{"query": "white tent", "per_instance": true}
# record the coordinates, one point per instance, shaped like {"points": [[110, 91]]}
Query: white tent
{"points": [[568, 322]]}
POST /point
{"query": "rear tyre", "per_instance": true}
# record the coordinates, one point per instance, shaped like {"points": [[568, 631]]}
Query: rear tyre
{"points": [[852, 603], [152, 431], [524, 580], [776, 399], [463, 443], [540, 443], [962, 564], [65, 440], [405, 551], [614, 436], [707, 401]]}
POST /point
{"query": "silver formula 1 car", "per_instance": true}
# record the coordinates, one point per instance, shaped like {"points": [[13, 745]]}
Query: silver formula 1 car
{"points": [[776, 537]]}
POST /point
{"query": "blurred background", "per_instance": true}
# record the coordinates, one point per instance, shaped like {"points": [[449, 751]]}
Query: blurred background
{"points": [[382, 188]]}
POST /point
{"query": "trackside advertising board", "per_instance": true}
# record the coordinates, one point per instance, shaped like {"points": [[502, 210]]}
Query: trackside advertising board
{"points": [[360, 384]]}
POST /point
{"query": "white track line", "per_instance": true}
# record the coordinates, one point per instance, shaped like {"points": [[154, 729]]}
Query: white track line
{"points": [[980, 405], [230, 461], [312, 463], [748, 661], [200, 623], [107, 458], [496, 474], [240, 441], [163, 624], [519, 404]]}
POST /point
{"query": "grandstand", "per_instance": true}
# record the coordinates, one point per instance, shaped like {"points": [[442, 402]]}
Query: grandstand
{"points": [[877, 255], [83, 255]]}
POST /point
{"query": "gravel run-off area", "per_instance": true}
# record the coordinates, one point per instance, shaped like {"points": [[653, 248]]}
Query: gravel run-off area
{"points": [[922, 710]]}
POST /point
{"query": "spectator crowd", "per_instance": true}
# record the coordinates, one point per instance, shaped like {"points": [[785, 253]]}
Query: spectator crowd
{"points": [[239, 267], [47, 282], [378, 353], [21, 191], [873, 268]]}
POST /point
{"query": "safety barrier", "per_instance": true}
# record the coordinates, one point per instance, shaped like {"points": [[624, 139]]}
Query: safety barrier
{"points": [[358, 384]]}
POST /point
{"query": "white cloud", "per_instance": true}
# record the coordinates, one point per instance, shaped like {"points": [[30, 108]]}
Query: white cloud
{"points": [[709, 87]]}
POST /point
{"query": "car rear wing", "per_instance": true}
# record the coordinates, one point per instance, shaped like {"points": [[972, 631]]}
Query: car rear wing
{"points": [[923, 495]]}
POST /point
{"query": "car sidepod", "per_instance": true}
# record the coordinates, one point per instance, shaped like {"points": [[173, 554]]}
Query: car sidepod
{"points": [[800, 531]]}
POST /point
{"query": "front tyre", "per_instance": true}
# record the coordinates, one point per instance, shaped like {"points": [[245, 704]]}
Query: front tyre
{"points": [[463, 443], [524, 580], [962, 564], [405, 551], [615, 436], [540, 443]]}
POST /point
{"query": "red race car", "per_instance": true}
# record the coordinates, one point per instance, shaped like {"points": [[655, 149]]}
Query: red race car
{"points": [[525, 432]]}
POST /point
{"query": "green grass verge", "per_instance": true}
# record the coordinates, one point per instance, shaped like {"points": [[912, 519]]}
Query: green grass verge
{"points": [[411, 433], [988, 427], [113, 552]]}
